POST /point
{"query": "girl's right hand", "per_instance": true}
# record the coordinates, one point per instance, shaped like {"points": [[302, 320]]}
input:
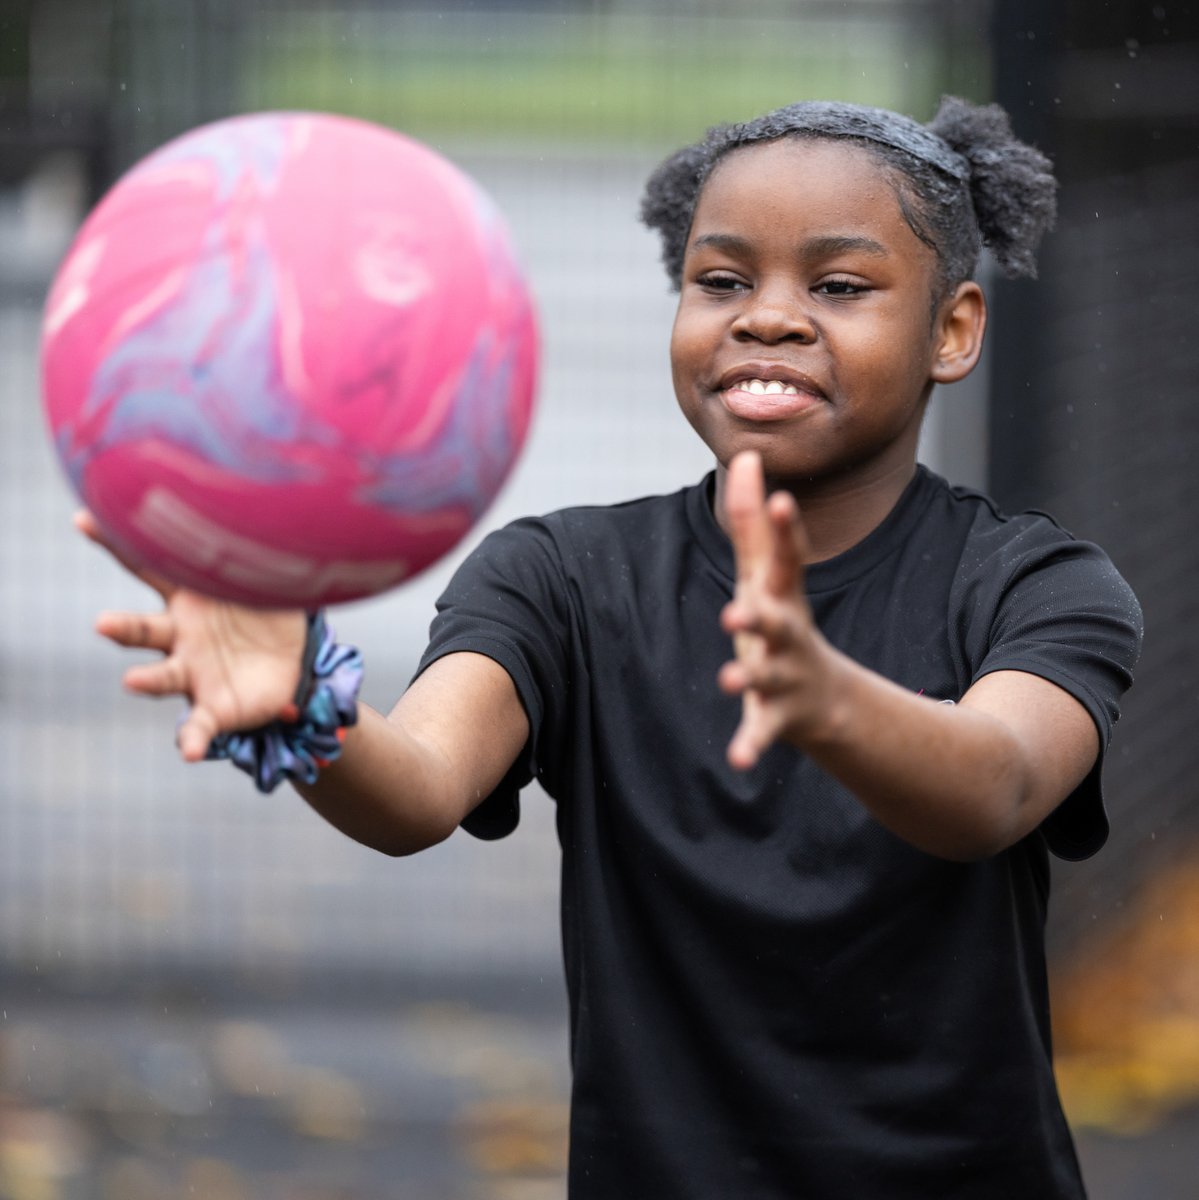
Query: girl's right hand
{"points": [[238, 666]]}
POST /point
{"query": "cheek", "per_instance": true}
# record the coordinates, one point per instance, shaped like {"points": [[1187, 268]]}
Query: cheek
{"points": [[683, 351], [900, 359]]}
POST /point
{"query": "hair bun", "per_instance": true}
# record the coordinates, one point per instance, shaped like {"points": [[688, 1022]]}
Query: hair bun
{"points": [[1011, 183]]}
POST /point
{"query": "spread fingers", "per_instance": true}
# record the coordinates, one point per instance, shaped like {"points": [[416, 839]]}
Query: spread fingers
{"points": [[165, 678], [146, 631]]}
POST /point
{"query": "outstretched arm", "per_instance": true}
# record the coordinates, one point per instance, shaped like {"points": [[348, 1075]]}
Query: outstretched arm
{"points": [[406, 781], [403, 782], [962, 781]]}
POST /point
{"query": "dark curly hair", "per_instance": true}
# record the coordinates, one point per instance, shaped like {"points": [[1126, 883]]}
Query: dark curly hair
{"points": [[963, 181]]}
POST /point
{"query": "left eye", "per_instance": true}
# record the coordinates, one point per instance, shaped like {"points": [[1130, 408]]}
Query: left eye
{"points": [[841, 287]]}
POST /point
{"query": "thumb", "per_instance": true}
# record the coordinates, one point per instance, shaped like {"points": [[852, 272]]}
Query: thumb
{"points": [[91, 529], [196, 733]]}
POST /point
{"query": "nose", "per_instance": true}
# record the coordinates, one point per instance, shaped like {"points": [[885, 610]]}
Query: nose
{"points": [[774, 314]]}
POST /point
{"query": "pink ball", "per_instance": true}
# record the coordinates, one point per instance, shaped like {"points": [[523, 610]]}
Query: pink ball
{"points": [[289, 359]]}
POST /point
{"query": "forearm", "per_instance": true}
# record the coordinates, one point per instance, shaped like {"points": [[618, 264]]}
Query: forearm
{"points": [[957, 781], [385, 790], [406, 781], [945, 778]]}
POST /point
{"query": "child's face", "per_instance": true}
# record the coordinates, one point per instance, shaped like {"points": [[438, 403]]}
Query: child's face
{"points": [[805, 327]]}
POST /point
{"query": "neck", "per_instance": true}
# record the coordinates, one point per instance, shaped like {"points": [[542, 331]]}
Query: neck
{"points": [[837, 514]]}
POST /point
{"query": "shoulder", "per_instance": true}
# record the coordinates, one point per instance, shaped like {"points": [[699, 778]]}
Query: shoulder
{"points": [[1022, 590], [578, 558], [1028, 595], [627, 517], [589, 538], [986, 527], [976, 550], [999, 551]]}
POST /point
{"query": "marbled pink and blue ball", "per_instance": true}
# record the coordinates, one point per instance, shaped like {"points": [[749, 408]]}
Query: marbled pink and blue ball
{"points": [[290, 359]]}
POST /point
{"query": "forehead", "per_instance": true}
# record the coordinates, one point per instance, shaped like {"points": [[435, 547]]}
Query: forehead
{"points": [[796, 188]]}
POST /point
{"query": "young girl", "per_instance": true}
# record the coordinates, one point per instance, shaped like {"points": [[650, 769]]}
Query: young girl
{"points": [[804, 883]]}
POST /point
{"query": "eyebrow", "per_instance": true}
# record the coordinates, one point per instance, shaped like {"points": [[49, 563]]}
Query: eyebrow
{"points": [[818, 247]]}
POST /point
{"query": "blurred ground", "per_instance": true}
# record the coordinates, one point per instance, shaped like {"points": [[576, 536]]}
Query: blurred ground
{"points": [[178, 1091]]}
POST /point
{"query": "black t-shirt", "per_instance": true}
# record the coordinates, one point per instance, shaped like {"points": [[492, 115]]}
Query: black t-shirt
{"points": [[771, 995]]}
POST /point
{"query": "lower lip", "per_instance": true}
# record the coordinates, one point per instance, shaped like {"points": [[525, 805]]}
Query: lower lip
{"points": [[750, 406]]}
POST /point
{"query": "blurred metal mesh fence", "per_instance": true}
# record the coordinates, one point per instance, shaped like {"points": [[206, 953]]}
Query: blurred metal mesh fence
{"points": [[1094, 416], [112, 851], [1118, 457], [113, 856]]}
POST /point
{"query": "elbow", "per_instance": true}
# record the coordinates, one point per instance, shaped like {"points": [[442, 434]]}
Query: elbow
{"points": [[391, 834], [987, 830], [964, 846], [407, 842], [1003, 809], [407, 849], [973, 847]]}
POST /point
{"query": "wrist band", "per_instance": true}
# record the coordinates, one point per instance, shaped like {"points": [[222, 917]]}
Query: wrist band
{"points": [[327, 700]]}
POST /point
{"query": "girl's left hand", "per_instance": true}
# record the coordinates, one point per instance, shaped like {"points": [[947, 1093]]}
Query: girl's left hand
{"points": [[781, 664]]}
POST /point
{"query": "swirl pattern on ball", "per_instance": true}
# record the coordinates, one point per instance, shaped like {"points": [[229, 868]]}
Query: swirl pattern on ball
{"points": [[290, 358]]}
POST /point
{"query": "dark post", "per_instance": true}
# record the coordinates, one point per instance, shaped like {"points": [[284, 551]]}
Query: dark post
{"points": [[1093, 412]]}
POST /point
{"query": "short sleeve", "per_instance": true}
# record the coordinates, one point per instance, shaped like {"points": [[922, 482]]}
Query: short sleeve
{"points": [[1042, 602], [508, 601]]}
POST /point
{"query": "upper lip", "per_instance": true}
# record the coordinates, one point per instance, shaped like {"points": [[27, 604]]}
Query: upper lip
{"points": [[767, 371]]}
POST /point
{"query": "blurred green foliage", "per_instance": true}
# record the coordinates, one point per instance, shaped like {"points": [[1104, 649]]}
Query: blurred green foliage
{"points": [[632, 80]]}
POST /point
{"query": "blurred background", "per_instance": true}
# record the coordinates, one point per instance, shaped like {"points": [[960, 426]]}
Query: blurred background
{"points": [[207, 993]]}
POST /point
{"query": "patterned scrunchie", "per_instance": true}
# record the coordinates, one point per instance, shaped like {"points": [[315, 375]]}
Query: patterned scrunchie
{"points": [[327, 700]]}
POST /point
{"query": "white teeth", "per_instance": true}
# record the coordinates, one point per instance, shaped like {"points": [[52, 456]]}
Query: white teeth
{"points": [[767, 387]]}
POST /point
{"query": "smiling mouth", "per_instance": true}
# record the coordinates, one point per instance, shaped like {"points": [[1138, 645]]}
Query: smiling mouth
{"points": [[766, 387], [756, 399]]}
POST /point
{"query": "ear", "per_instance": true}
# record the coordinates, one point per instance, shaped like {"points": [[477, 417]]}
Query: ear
{"points": [[958, 334]]}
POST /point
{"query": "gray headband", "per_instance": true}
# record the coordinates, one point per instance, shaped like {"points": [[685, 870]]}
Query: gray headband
{"points": [[831, 118]]}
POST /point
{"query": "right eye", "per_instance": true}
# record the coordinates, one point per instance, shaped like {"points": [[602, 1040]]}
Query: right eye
{"points": [[719, 281]]}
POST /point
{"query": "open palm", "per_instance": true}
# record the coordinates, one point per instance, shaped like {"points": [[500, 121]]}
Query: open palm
{"points": [[239, 667]]}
